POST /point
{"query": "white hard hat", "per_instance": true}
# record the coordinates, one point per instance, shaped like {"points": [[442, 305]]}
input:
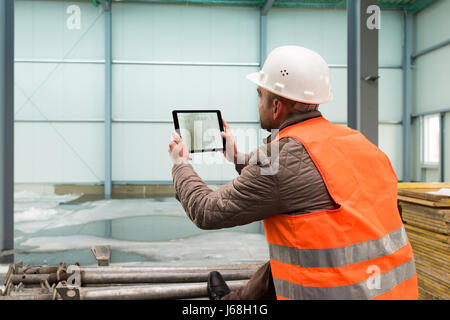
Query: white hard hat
{"points": [[295, 73]]}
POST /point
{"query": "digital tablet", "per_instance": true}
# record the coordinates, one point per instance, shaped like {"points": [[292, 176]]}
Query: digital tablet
{"points": [[200, 129]]}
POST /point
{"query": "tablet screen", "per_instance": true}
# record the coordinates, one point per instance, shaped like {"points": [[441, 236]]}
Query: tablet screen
{"points": [[200, 130]]}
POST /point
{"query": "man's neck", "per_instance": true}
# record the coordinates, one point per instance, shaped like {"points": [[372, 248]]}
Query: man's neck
{"points": [[294, 118], [297, 117]]}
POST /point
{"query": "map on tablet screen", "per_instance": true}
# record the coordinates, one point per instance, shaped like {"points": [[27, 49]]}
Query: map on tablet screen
{"points": [[200, 129]]}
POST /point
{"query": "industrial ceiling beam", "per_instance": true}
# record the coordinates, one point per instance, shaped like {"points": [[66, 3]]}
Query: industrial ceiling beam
{"points": [[6, 131]]}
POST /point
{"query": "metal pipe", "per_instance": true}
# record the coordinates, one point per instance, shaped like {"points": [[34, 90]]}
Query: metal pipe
{"points": [[131, 277], [203, 268], [59, 120], [424, 113], [58, 61], [159, 277], [344, 66], [172, 63], [430, 49], [171, 121], [36, 270], [30, 296], [116, 120], [37, 278], [158, 292], [185, 63]]}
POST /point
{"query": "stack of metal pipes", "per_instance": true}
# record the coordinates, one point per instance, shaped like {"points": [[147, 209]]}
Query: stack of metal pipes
{"points": [[114, 282]]}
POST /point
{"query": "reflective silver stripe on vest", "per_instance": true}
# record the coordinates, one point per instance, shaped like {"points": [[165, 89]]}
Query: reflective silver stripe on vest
{"points": [[342, 256], [368, 289]]}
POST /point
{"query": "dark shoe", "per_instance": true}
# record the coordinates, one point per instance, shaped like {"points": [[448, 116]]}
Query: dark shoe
{"points": [[217, 287]]}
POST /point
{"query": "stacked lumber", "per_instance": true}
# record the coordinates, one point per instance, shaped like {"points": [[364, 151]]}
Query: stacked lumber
{"points": [[426, 218]]}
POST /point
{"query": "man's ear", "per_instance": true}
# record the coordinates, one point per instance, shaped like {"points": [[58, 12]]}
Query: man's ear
{"points": [[277, 109]]}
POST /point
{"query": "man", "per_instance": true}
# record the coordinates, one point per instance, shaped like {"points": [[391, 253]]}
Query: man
{"points": [[328, 197]]}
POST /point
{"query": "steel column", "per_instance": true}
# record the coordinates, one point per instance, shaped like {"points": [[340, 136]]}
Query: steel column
{"points": [[262, 40], [353, 63], [442, 146], [6, 130], [266, 6], [108, 99], [108, 110], [407, 18], [362, 70]]}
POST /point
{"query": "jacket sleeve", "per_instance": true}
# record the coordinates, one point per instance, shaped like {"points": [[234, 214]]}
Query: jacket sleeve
{"points": [[249, 197], [241, 163]]}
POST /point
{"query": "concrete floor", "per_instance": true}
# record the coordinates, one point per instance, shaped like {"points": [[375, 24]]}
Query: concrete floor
{"points": [[51, 228]]}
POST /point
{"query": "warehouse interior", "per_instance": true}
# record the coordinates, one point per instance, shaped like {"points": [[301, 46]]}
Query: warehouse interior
{"points": [[88, 88]]}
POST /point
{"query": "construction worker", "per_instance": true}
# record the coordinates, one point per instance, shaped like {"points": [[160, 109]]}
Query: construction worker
{"points": [[330, 207]]}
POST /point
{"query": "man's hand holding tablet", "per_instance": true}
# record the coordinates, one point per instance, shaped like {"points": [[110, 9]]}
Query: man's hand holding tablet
{"points": [[201, 131]]}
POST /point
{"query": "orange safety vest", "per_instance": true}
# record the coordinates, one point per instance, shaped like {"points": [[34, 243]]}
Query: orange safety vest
{"points": [[358, 251]]}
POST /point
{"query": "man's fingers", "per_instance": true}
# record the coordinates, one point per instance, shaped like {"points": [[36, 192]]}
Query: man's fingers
{"points": [[172, 144], [225, 124], [176, 136]]}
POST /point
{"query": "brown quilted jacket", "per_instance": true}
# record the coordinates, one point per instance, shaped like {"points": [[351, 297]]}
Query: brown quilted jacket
{"points": [[296, 188]]}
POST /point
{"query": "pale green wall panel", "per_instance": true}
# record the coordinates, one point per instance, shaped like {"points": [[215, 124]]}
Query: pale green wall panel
{"points": [[325, 31], [389, 95], [391, 39], [431, 175], [140, 153], [390, 100], [415, 150], [432, 25], [321, 30], [41, 31], [152, 92], [59, 91], [57, 152], [185, 33], [431, 80], [336, 110], [390, 141]]}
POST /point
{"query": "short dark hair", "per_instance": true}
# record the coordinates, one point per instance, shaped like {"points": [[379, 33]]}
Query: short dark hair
{"points": [[294, 106]]}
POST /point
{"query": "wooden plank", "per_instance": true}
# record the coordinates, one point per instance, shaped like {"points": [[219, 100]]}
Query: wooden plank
{"points": [[424, 202], [423, 194], [426, 218], [434, 239], [432, 212], [427, 224], [438, 260], [423, 185]]}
